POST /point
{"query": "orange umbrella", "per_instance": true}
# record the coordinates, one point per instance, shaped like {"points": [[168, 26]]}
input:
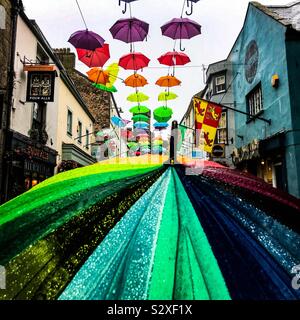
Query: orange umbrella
{"points": [[135, 81], [98, 75], [168, 81]]}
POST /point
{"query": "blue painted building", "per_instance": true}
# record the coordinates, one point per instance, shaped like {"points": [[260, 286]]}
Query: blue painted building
{"points": [[266, 67]]}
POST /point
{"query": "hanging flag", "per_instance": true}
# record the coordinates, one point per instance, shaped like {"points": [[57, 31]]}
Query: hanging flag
{"points": [[182, 130], [207, 117]]}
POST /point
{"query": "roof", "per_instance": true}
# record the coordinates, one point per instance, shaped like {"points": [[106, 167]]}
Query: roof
{"points": [[288, 15], [33, 26]]}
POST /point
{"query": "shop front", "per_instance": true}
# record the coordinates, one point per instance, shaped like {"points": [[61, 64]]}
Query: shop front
{"points": [[264, 159], [28, 164]]}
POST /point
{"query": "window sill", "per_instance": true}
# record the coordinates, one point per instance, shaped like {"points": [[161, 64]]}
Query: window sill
{"points": [[254, 117], [69, 135]]}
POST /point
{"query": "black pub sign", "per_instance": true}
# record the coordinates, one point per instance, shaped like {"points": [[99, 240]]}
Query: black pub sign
{"points": [[40, 86]]}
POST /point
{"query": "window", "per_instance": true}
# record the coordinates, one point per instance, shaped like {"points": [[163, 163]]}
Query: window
{"points": [[222, 136], [210, 91], [79, 132], [2, 18], [69, 123], [87, 139], [254, 101], [220, 84]]}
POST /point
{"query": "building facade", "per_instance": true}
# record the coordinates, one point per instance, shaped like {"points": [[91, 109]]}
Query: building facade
{"points": [[102, 106], [49, 121], [219, 90], [266, 58]]}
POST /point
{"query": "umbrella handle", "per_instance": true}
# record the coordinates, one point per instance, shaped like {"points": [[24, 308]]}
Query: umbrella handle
{"points": [[125, 9], [181, 48], [191, 11]]}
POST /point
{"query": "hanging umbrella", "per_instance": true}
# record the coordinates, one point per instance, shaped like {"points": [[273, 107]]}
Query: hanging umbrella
{"points": [[126, 1], [181, 28], [139, 110], [130, 30], [134, 61], [137, 97], [96, 58], [163, 114], [118, 122], [141, 125], [133, 146], [143, 135], [98, 76], [161, 125], [113, 72], [136, 81], [158, 143], [174, 59], [140, 117], [166, 96], [190, 4], [168, 81], [105, 88], [85, 39]]}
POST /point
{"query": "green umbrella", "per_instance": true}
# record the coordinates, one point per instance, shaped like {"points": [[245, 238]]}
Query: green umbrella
{"points": [[133, 146], [104, 88], [140, 117], [166, 96], [163, 114], [139, 109], [137, 97]]}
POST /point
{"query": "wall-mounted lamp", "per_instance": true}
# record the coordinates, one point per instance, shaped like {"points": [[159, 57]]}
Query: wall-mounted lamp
{"points": [[275, 81]]}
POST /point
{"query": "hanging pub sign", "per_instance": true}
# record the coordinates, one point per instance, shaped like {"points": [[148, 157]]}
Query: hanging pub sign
{"points": [[40, 86]]}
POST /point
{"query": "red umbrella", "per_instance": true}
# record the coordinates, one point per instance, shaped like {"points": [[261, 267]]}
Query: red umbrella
{"points": [[134, 61], [96, 58], [174, 59]]}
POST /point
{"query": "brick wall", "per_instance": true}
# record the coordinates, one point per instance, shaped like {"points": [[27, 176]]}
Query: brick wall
{"points": [[98, 101]]}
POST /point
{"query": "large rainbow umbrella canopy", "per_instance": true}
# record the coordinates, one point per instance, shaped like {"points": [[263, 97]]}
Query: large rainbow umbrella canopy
{"points": [[131, 230]]}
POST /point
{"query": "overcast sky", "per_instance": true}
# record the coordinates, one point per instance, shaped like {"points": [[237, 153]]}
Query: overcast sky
{"points": [[221, 21]]}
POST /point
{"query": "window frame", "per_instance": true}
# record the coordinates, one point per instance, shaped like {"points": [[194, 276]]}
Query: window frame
{"points": [[215, 91], [253, 101], [79, 131], [69, 133], [87, 139], [223, 128]]}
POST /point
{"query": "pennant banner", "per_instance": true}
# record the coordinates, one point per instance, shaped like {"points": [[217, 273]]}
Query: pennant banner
{"points": [[207, 117]]}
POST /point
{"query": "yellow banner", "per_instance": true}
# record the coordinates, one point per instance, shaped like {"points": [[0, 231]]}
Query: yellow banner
{"points": [[209, 134], [200, 110]]}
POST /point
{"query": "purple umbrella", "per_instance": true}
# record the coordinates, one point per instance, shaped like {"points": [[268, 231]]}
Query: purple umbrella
{"points": [[130, 30], [181, 28], [85, 39], [126, 1]]}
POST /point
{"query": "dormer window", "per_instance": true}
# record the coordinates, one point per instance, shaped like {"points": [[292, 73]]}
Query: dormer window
{"points": [[220, 84]]}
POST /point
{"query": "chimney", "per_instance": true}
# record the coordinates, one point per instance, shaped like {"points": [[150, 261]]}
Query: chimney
{"points": [[67, 58]]}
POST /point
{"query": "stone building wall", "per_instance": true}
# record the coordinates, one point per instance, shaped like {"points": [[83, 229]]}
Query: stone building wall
{"points": [[98, 101]]}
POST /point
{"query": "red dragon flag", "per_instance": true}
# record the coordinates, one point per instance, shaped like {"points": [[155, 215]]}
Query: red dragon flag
{"points": [[207, 117]]}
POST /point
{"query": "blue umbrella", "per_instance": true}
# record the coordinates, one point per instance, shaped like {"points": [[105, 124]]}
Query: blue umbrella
{"points": [[161, 125], [141, 125], [118, 122]]}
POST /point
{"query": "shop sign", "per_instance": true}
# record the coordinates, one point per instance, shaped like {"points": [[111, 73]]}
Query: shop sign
{"points": [[33, 153], [40, 86]]}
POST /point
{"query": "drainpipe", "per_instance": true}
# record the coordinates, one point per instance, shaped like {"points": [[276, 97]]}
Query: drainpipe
{"points": [[17, 6]]}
